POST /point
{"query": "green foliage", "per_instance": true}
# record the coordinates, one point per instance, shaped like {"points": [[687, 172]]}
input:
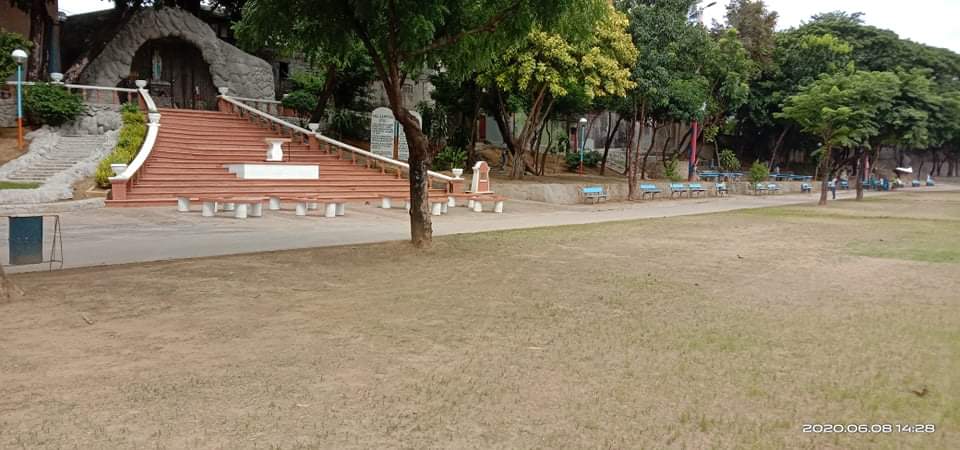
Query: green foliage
{"points": [[728, 161], [450, 158], [302, 102], [348, 124], [10, 41], [132, 134], [436, 124], [130, 107], [759, 172], [671, 170], [843, 109], [590, 159], [51, 104], [755, 26]]}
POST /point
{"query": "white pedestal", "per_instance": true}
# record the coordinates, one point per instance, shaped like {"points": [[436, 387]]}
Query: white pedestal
{"points": [[275, 148], [183, 204]]}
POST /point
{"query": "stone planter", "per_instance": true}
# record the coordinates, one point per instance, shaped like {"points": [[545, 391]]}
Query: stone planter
{"points": [[457, 173]]}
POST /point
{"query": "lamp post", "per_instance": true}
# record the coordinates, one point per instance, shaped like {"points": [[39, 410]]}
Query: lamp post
{"points": [[20, 57], [583, 141]]}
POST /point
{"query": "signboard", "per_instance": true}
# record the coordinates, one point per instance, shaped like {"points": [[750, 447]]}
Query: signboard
{"points": [[26, 240], [382, 132], [386, 132], [617, 159]]}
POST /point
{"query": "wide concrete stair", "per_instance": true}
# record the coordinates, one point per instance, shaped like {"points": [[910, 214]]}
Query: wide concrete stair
{"points": [[69, 151], [193, 146]]}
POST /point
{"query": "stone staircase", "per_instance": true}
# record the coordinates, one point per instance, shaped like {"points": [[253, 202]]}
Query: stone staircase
{"points": [[192, 148], [68, 152]]}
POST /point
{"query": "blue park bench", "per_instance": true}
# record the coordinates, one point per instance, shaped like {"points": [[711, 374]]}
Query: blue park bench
{"points": [[844, 184], [722, 189], [595, 193], [695, 188], [708, 176], [773, 188], [806, 187], [759, 188], [677, 188], [930, 182], [915, 183], [649, 188]]}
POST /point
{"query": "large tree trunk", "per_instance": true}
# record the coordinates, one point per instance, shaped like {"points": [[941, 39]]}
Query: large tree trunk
{"points": [[825, 170], [646, 155], [635, 162], [606, 146], [776, 147], [522, 141], [328, 86], [36, 67], [861, 172]]}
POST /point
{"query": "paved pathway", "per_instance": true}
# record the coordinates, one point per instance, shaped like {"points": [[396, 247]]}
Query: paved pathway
{"points": [[119, 235]]}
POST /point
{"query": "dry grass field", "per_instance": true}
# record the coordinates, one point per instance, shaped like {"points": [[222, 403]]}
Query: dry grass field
{"points": [[717, 331]]}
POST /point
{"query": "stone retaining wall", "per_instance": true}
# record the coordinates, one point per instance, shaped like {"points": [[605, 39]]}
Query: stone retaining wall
{"points": [[568, 194]]}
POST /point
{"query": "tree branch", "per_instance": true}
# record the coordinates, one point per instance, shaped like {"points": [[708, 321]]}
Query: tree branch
{"points": [[490, 26]]}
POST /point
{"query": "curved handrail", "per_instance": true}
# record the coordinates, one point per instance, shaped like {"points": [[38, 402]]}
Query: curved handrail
{"points": [[153, 129], [339, 144], [81, 86]]}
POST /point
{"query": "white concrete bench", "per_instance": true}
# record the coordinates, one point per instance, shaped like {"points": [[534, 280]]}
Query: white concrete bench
{"points": [[476, 202], [242, 207]]}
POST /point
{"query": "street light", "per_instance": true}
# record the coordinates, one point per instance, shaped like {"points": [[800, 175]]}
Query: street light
{"points": [[20, 57], [583, 141]]}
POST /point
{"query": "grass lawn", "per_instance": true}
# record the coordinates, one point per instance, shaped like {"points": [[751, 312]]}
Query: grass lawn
{"points": [[18, 185], [723, 331]]}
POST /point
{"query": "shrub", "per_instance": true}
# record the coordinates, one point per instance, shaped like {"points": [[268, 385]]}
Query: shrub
{"points": [[728, 161], [671, 170], [10, 41], [590, 159], [132, 134], [130, 107], [348, 124], [302, 102], [52, 104], [759, 172], [450, 158]]}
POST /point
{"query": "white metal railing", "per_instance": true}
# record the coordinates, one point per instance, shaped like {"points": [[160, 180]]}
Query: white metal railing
{"points": [[91, 94], [342, 145], [153, 129]]}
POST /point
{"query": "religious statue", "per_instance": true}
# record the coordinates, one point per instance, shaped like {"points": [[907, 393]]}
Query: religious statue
{"points": [[157, 65]]}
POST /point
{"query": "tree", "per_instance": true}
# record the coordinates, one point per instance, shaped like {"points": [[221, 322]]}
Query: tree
{"points": [[402, 39], [669, 85], [755, 26], [9, 42], [842, 111], [551, 62]]}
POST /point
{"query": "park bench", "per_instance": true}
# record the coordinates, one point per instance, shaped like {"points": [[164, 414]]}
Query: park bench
{"points": [[438, 205], [722, 189], [773, 188], [477, 202], [915, 183], [696, 188], [931, 183], [806, 187], [709, 176], [649, 189], [677, 188], [594, 193], [242, 207], [759, 188], [844, 184]]}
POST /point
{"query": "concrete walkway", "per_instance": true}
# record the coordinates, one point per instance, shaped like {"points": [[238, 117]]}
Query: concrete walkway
{"points": [[118, 235]]}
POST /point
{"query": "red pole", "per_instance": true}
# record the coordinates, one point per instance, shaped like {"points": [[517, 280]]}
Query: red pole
{"points": [[20, 133], [692, 170]]}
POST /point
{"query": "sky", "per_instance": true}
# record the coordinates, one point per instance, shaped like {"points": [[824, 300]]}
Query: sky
{"points": [[932, 22]]}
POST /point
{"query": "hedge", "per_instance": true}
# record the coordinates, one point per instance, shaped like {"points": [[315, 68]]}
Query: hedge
{"points": [[132, 134]]}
